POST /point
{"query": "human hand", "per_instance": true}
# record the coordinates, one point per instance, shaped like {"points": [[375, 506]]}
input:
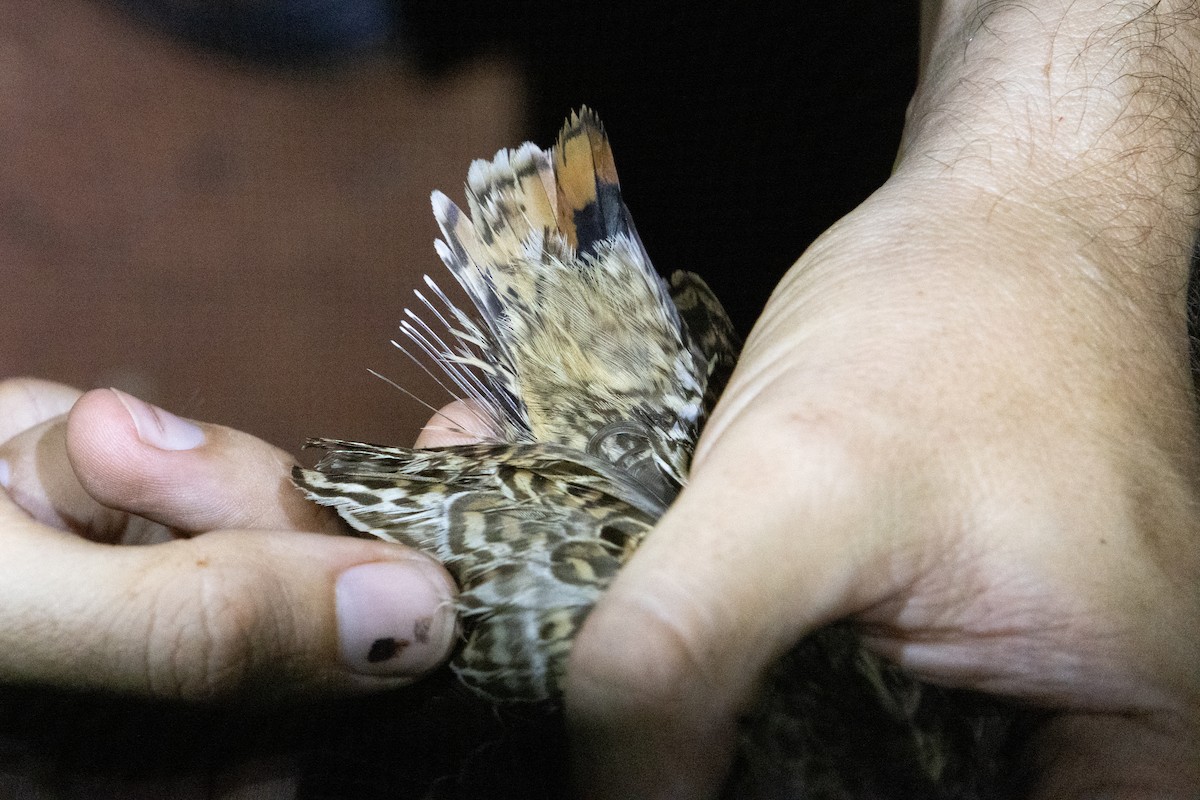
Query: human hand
{"points": [[250, 605], [966, 421]]}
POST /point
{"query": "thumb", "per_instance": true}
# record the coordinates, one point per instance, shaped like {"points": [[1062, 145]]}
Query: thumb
{"points": [[222, 614], [225, 612], [728, 581]]}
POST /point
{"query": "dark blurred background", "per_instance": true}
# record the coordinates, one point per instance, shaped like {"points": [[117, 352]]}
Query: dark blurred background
{"points": [[741, 130]]}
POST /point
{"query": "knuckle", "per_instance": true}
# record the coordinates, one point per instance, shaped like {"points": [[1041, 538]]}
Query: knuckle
{"points": [[212, 636], [14, 391], [644, 665], [26, 402]]}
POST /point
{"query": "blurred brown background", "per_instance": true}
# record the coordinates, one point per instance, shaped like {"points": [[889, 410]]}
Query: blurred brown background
{"points": [[232, 242]]}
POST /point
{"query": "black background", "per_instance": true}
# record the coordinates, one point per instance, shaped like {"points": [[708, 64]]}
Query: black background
{"points": [[741, 131]]}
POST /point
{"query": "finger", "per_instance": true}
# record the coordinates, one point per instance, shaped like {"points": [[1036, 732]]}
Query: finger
{"points": [[461, 422], [26, 402], [673, 652], [39, 477], [191, 476], [252, 613]]}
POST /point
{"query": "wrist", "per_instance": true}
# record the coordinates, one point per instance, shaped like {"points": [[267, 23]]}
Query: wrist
{"points": [[1084, 110]]}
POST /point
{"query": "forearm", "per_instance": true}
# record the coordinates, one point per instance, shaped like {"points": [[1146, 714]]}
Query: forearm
{"points": [[1087, 110]]}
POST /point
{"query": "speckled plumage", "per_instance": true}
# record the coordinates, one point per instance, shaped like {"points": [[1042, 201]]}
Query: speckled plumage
{"points": [[595, 377]]}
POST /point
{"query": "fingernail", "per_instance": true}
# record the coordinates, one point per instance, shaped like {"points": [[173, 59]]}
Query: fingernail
{"points": [[159, 428], [394, 618], [5, 474]]}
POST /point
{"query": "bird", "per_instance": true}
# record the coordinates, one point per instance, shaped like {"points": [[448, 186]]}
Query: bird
{"points": [[591, 378]]}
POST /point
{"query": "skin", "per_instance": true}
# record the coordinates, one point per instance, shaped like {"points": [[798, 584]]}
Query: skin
{"points": [[983, 448], [195, 617]]}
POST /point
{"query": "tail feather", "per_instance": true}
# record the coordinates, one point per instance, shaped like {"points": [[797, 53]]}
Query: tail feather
{"points": [[464, 254], [590, 209], [511, 198]]}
